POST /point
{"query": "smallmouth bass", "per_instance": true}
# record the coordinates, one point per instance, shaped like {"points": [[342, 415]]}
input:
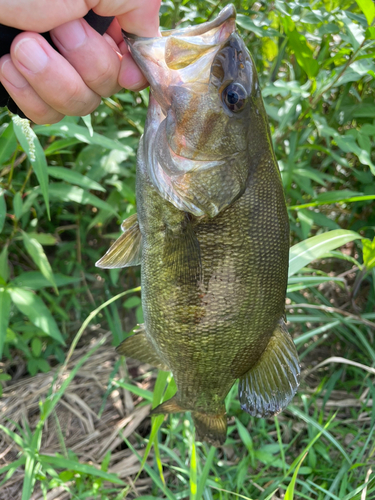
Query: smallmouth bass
{"points": [[212, 232]]}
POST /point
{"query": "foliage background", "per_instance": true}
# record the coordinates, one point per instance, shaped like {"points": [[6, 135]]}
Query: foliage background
{"points": [[64, 190]]}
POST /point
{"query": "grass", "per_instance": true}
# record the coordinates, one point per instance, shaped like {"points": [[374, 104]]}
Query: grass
{"points": [[320, 447]]}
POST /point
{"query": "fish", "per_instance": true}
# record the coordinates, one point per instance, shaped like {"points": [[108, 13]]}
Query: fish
{"points": [[211, 233]]}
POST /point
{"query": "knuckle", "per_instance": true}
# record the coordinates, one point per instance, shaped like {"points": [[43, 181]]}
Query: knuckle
{"points": [[104, 80]]}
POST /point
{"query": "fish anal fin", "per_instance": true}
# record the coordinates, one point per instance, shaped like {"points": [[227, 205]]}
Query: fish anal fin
{"points": [[210, 428], [269, 386], [138, 347], [169, 406], [127, 249]]}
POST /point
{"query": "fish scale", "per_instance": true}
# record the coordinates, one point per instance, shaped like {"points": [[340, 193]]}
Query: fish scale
{"points": [[212, 231]]}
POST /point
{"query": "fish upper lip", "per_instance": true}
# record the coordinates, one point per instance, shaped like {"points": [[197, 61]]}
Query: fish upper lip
{"points": [[228, 12]]}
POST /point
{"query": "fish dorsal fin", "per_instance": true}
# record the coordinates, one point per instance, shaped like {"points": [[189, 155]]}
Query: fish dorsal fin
{"points": [[127, 249], [138, 347], [269, 386]]}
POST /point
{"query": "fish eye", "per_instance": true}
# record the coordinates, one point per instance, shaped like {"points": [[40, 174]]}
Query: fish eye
{"points": [[234, 97]]}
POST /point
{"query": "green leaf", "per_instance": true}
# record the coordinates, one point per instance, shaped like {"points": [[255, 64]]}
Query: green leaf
{"points": [[64, 463], [303, 253], [66, 192], [4, 265], [8, 143], [35, 309], [43, 365], [138, 391], [36, 252], [32, 147], [368, 8], [3, 209], [68, 129], [289, 494], [36, 346], [73, 177], [5, 305], [36, 281], [193, 473], [43, 238], [132, 302], [303, 53], [335, 196], [205, 472], [369, 253], [87, 121], [300, 414], [58, 146], [17, 205], [370, 33]]}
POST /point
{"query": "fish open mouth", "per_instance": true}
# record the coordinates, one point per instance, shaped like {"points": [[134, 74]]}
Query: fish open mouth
{"points": [[181, 56]]}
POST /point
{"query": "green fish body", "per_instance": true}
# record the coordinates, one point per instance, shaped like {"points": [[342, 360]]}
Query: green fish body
{"points": [[212, 232]]}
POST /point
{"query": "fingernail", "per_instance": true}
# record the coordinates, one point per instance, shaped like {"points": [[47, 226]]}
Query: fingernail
{"points": [[10, 73], [70, 35], [137, 86], [31, 55]]}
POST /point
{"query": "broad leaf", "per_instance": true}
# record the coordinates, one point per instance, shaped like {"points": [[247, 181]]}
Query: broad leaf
{"points": [[64, 463], [36, 252], [17, 205], [369, 253], [5, 304], [368, 8], [3, 209], [73, 177], [36, 281], [32, 147], [4, 265], [8, 143], [34, 308], [66, 192], [68, 129], [306, 251]]}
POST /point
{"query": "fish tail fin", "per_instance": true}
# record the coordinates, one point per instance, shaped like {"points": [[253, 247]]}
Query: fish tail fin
{"points": [[170, 406], [210, 428], [269, 386]]}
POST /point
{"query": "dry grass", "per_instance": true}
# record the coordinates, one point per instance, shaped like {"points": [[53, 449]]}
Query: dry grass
{"points": [[75, 423]]}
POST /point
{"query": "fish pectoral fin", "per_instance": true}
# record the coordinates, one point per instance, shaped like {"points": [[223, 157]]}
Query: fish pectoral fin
{"points": [[169, 406], [138, 347], [127, 249], [269, 386], [182, 256], [210, 428]]}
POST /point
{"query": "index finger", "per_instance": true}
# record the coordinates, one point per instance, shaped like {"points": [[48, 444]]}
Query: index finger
{"points": [[136, 16]]}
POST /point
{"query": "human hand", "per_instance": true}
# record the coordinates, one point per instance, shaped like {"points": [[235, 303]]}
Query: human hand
{"points": [[46, 84]]}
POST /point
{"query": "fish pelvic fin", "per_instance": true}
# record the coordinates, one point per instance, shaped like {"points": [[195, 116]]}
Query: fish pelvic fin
{"points": [[138, 347], [269, 386], [127, 249], [170, 406], [210, 428]]}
